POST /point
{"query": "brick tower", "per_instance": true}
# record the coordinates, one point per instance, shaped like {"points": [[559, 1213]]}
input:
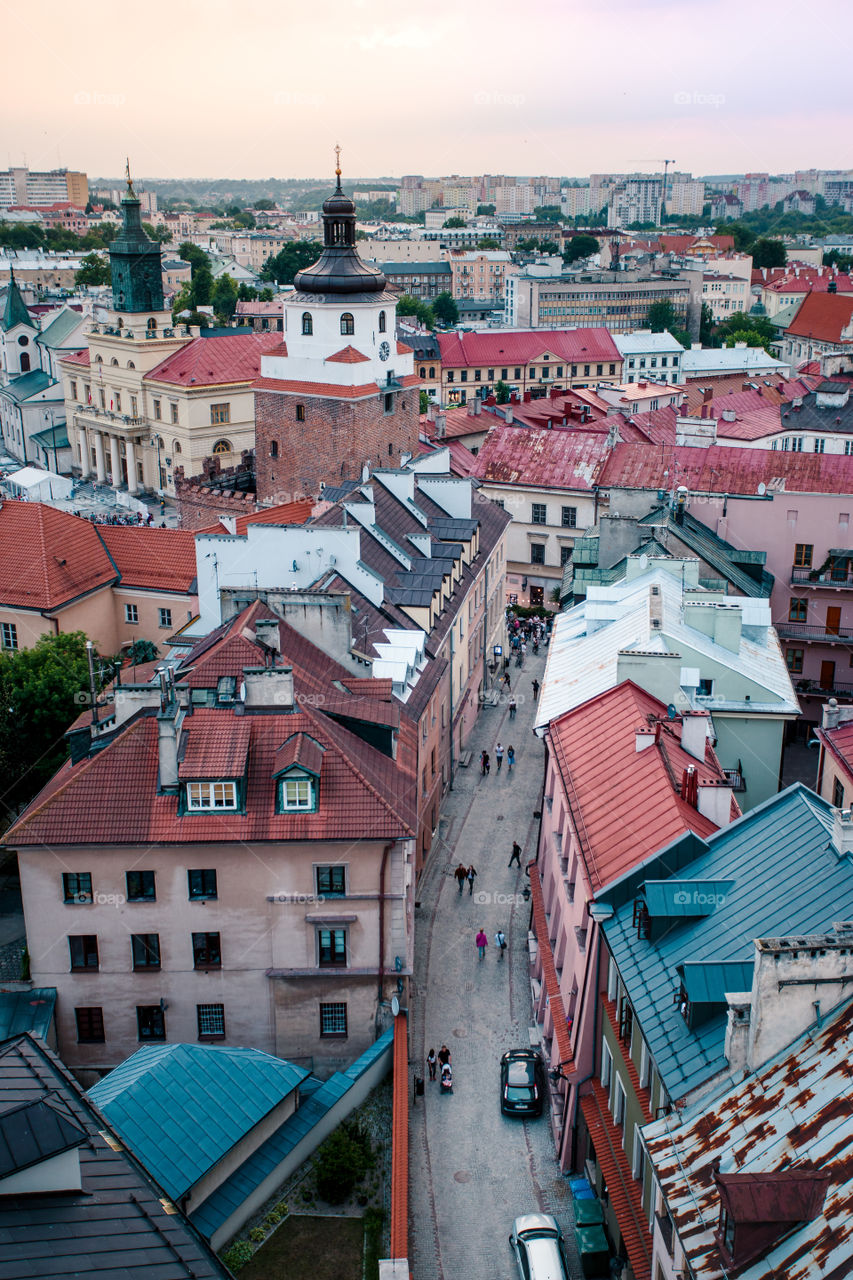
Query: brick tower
{"points": [[340, 394]]}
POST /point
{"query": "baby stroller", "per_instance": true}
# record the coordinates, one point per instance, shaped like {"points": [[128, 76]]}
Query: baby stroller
{"points": [[446, 1083]]}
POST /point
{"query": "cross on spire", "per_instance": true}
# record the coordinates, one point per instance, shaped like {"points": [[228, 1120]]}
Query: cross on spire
{"points": [[338, 162], [130, 189]]}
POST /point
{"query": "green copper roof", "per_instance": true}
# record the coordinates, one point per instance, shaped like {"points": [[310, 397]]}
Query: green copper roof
{"points": [[15, 312], [60, 329]]}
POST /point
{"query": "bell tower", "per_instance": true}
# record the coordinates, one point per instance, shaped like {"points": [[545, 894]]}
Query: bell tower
{"points": [[137, 279]]}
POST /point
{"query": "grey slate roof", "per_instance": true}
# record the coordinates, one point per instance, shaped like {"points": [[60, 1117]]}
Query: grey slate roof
{"points": [[787, 880], [715, 551], [27, 1011], [116, 1228], [32, 1132]]}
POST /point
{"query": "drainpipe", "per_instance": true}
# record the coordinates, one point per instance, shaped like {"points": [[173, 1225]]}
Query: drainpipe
{"points": [[382, 868], [450, 717]]}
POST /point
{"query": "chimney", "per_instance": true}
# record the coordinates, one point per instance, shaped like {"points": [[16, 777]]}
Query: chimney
{"points": [[737, 1030], [704, 411], [714, 800], [831, 714], [708, 394], [842, 832], [508, 415], [270, 687], [440, 426], [168, 726], [432, 410], [477, 407], [645, 737], [527, 397], [694, 733], [268, 633]]}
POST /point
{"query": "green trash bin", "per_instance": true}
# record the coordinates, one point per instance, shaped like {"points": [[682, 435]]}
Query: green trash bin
{"points": [[594, 1251], [588, 1213]]}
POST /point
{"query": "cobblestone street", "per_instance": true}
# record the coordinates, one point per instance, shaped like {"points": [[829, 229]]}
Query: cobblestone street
{"points": [[472, 1170]]}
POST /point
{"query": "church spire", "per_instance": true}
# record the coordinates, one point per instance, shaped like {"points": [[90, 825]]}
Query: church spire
{"points": [[135, 259], [338, 168], [339, 269]]}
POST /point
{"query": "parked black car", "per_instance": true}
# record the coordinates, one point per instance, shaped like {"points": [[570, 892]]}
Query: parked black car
{"points": [[522, 1083]]}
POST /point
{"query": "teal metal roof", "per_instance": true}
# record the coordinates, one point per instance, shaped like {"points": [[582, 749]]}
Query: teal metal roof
{"points": [[27, 385], [46, 438], [682, 897], [15, 310], [708, 983], [787, 879], [230, 1195], [724, 558], [60, 329], [181, 1107], [31, 1011]]}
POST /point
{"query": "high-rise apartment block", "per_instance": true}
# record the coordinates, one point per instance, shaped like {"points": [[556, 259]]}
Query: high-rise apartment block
{"points": [[22, 186]]}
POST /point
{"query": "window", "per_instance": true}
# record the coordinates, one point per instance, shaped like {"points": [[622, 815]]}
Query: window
{"points": [[797, 609], [819, 445], [176, 446], [157, 414], [220, 413], [463, 377], [450, 375], [201, 884], [803, 555], [537, 553], [347, 323], [618, 1102], [150, 1022], [145, 948], [174, 411], [838, 794], [207, 951], [706, 688], [794, 659], [432, 371], [140, 886], [540, 513], [25, 361], [273, 448], [134, 408], [332, 948], [381, 321], [297, 792], [333, 1019], [165, 617], [570, 517], [211, 795], [389, 403], [639, 1160], [131, 613], [83, 948], [73, 389], [10, 635], [77, 886], [331, 881], [300, 413], [606, 1065], [307, 324], [211, 1020], [565, 556], [118, 400], [90, 1025]]}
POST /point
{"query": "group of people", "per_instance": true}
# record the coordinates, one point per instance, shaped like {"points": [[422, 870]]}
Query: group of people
{"points": [[463, 874], [131, 518], [481, 942], [486, 760], [440, 1060]]}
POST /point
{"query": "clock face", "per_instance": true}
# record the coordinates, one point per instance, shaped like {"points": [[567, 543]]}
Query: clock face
{"points": [[384, 351]]}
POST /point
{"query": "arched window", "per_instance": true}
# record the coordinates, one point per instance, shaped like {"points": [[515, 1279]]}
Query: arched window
{"points": [[423, 372], [99, 359], [25, 362], [152, 324], [347, 323], [307, 324], [381, 321], [273, 448], [300, 413], [114, 361], [222, 446], [432, 371], [176, 446], [131, 365]]}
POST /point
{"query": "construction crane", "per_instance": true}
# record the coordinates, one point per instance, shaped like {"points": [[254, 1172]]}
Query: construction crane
{"points": [[666, 164]]}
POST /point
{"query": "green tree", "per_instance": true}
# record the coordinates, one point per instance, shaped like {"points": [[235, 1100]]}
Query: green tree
{"points": [[93, 270], [548, 213], [662, 317], [580, 247], [839, 260], [743, 237], [141, 651], [202, 283], [195, 256], [246, 293], [424, 401], [488, 242], [445, 309], [769, 253], [15, 236], [422, 311], [485, 210], [245, 219], [224, 298], [161, 234], [42, 690], [752, 338], [502, 392], [283, 266], [264, 205], [266, 295], [455, 222], [706, 327]]}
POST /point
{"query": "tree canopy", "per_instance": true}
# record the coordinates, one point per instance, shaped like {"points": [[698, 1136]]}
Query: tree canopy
{"points": [[455, 222], [283, 266], [768, 253], [580, 247], [422, 311], [445, 309], [224, 298], [94, 270], [662, 317]]}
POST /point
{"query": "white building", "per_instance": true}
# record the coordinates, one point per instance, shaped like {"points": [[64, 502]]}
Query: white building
{"points": [[699, 362], [647, 355]]}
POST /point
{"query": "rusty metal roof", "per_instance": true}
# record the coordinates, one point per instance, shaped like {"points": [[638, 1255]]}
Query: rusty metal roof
{"points": [[791, 1117]]}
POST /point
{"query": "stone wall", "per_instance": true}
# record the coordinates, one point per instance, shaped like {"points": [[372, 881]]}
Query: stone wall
{"points": [[203, 499]]}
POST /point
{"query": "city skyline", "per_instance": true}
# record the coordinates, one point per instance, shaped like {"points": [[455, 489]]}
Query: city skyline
{"points": [[221, 92]]}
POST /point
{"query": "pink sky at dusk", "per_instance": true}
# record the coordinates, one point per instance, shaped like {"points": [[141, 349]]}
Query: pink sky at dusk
{"points": [[214, 88]]}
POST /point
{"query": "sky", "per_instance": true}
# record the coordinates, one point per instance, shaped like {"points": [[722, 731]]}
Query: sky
{"points": [[217, 88]]}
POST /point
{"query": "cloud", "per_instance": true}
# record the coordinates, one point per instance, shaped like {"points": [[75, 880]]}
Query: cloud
{"points": [[403, 38]]}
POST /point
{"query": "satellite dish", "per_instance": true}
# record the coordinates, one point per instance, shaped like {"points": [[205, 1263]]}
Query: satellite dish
{"points": [[644, 561], [395, 1005], [671, 711], [762, 489]]}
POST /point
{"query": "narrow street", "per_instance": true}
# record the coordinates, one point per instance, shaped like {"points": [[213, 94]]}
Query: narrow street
{"points": [[473, 1170]]}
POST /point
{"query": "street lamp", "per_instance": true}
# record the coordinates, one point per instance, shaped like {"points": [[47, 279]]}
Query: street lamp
{"points": [[155, 439], [48, 417]]}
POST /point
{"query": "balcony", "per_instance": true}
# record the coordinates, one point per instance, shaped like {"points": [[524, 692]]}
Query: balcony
{"points": [[838, 578], [802, 631], [105, 420], [814, 689]]}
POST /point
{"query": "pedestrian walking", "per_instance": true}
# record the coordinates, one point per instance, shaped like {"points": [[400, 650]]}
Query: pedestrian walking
{"points": [[516, 854], [481, 942], [500, 943], [499, 755], [444, 1055], [535, 688], [507, 683], [432, 1063], [470, 873], [460, 873], [510, 758], [513, 707], [484, 763]]}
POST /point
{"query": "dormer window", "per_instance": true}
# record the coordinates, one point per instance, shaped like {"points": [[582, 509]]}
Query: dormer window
{"points": [[206, 796], [296, 772], [297, 793]]}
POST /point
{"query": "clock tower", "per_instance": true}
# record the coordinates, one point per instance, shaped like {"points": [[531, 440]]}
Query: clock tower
{"points": [[340, 393]]}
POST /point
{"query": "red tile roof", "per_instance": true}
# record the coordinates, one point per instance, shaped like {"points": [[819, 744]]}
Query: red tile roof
{"points": [[400, 1142], [207, 362], [348, 355], [285, 513], [77, 357], [213, 750], [464, 350], [331, 389], [111, 797], [566, 459], [683, 244], [823, 317], [299, 749], [403, 350], [48, 557], [280, 350], [839, 743], [626, 1194], [604, 776], [810, 280], [726, 469], [153, 559]]}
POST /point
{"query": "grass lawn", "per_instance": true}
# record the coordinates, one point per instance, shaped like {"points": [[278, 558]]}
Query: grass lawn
{"points": [[310, 1248]]}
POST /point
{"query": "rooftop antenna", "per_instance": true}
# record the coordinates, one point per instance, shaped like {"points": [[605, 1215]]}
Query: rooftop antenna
{"points": [[90, 649]]}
